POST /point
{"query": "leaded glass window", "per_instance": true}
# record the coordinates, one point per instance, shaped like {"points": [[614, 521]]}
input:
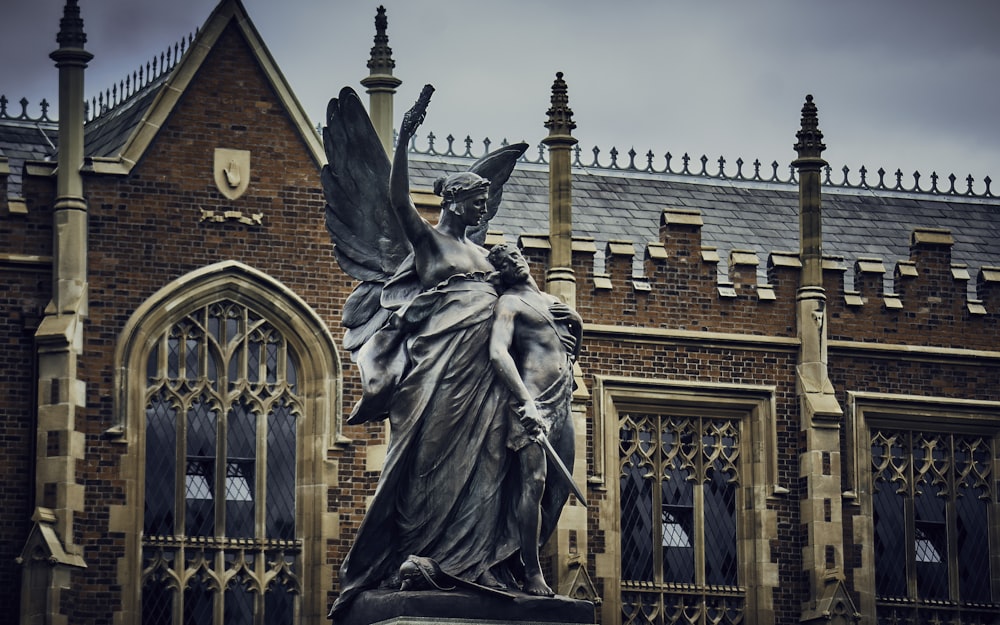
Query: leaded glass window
{"points": [[679, 476], [933, 507], [219, 541]]}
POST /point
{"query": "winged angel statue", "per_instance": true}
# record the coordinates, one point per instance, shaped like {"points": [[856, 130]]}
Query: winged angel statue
{"points": [[418, 326]]}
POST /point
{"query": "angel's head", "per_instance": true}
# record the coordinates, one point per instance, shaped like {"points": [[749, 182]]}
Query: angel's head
{"points": [[463, 194]]}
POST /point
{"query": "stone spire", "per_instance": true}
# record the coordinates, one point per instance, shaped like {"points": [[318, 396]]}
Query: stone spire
{"points": [[560, 280], [821, 503], [381, 55], [59, 343], [71, 259], [71, 33], [568, 547], [560, 122], [380, 83], [810, 164], [810, 144]]}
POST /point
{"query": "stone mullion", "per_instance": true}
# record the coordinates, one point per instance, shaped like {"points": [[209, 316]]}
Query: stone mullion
{"points": [[219, 568], [221, 448], [260, 471], [951, 521], [698, 501], [177, 601], [260, 574], [659, 464], [180, 468], [910, 516]]}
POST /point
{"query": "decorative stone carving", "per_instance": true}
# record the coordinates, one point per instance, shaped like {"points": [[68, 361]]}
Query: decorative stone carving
{"points": [[232, 172]]}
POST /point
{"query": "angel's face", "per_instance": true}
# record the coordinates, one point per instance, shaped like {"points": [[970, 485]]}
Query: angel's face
{"points": [[472, 209]]}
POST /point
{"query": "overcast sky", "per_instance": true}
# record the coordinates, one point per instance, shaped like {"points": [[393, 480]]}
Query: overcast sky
{"points": [[909, 84]]}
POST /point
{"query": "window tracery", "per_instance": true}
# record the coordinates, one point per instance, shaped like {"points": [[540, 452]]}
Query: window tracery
{"points": [[684, 472], [932, 512], [222, 409]]}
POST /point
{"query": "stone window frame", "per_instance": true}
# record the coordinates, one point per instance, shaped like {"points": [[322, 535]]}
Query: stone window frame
{"points": [[914, 412], [321, 381], [757, 525]]}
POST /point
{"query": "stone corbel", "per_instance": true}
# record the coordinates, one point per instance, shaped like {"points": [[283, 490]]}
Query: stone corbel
{"points": [[834, 607], [578, 584], [43, 543]]}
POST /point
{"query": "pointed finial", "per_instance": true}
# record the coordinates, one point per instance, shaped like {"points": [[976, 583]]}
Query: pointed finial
{"points": [[560, 115], [71, 33], [381, 55], [810, 144]]}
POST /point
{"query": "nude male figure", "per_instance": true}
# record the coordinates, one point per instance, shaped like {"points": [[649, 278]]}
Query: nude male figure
{"points": [[535, 339]]}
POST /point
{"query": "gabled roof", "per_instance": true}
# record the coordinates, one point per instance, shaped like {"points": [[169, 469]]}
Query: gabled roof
{"points": [[119, 143], [117, 137], [757, 216], [108, 134]]}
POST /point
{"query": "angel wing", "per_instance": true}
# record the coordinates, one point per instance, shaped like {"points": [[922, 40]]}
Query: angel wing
{"points": [[369, 243]]}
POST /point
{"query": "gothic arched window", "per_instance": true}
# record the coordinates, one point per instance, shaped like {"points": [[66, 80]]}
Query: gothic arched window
{"points": [[228, 397], [221, 406]]}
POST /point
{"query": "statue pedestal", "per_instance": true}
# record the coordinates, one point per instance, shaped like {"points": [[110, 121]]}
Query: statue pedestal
{"points": [[461, 607]]}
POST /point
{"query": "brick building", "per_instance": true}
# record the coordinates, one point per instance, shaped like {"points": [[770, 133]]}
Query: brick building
{"points": [[789, 398]]}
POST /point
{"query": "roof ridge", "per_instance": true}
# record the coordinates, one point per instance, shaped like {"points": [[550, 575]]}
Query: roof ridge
{"points": [[141, 79], [44, 105], [687, 168]]}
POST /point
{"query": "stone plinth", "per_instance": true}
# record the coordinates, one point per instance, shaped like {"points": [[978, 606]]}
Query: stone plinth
{"points": [[437, 607]]}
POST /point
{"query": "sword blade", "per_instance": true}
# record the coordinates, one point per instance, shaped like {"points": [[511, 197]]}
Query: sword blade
{"points": [[561, 468]]}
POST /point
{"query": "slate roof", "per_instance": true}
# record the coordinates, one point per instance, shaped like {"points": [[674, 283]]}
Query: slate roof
{"points": [[23, 139], [739, 215], [625, 204], [616, 205], [106, 135], [26, 140]]}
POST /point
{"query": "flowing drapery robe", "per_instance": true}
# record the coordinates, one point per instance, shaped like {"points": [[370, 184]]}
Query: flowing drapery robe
{"points": [[444, 492]]}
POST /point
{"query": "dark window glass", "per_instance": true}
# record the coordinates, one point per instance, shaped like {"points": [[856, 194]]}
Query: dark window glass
{"points": [[161, 463], [678, 484], [241, 462], [211, 448], [636, 504], [157, 594], [932, 506], [280, 515], [198, 598]]}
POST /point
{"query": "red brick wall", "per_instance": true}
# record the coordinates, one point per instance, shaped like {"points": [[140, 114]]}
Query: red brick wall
{"points": [[25, 289]]}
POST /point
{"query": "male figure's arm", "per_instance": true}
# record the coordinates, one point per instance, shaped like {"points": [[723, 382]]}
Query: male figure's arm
{"points": [[501, 341]]}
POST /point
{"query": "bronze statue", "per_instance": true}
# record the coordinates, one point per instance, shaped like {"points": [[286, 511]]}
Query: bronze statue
{"points": [[419, 327], [533, 345]]}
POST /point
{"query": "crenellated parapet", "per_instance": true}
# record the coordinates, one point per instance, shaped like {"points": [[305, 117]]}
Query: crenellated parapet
{"points": [[988, 288], [675, 282], [679, 283], [783, 274], [929, 299]]}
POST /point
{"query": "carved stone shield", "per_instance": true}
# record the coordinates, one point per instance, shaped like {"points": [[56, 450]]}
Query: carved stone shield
{"points": [[232, 172]]}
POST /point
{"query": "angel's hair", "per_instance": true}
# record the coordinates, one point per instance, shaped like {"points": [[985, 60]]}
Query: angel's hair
{"points": [[457, 187]]}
